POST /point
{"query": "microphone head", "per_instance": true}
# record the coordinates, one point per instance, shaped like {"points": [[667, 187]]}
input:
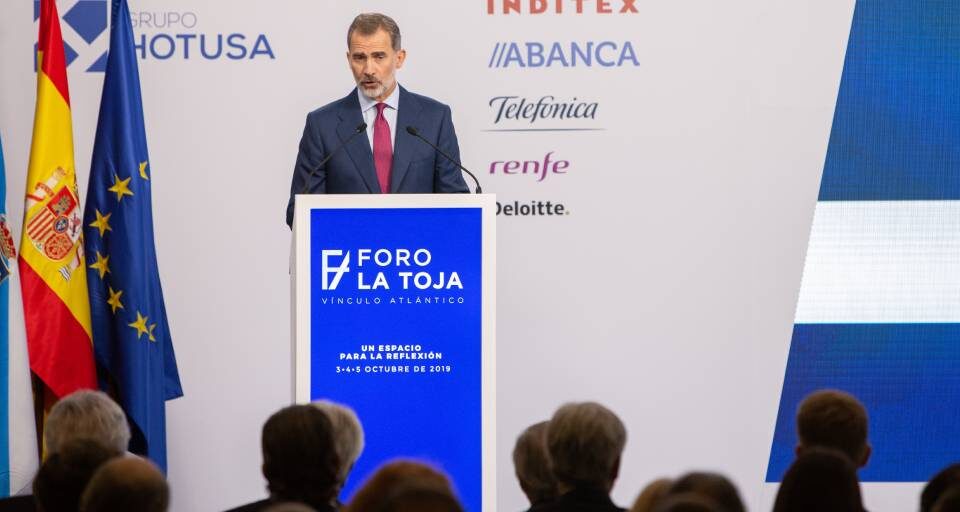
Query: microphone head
{"points": [[361, 127], [412, 131]]}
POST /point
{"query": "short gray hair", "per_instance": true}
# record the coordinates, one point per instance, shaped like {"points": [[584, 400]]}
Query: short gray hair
{"points": [[369, 23], [89, 415], [585, 441], [347, 434], [532, 464]]}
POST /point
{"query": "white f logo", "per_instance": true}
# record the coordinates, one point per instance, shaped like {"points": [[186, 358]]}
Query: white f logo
{"points": [[326, 270]]}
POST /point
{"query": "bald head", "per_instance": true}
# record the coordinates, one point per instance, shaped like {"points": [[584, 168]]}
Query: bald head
{"points": [[126, 483]]}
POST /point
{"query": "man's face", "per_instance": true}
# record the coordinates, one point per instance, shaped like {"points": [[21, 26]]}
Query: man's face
{"points": [[374, 63]]}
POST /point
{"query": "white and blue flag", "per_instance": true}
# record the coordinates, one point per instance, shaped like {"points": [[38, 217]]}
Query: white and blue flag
{"points": [[18, 434]]}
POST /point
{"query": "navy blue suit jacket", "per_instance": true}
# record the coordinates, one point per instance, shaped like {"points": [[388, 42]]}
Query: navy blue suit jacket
{"points": [[417, 168]]}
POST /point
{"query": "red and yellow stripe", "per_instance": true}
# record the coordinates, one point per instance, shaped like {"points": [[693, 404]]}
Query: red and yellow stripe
{"points": [[56, 308]]}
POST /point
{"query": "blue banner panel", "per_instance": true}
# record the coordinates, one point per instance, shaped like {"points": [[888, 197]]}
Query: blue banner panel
{"points": [[896, 134], [905, 374], [396, 334]]}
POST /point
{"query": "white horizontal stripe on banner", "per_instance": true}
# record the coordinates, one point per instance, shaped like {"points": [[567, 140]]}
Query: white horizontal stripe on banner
{"points": [[882, 262]]}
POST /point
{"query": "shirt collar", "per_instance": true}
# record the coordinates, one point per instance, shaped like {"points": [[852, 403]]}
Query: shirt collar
{"points": [[392, 101]]}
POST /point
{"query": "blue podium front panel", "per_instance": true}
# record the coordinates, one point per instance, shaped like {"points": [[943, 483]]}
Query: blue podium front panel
{"points": [[395, 333]]}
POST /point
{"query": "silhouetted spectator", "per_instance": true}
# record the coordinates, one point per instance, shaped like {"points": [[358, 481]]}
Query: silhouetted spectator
{"points": [[64, 474], [651, 495], [687, 502], [300, 460], [585, 441], [821, 480], [947, 478], [86, 414], [126, 483], [422, 498], [347, 438], [532, 466], [288, 506], [948, 501], [396, 479], [712, 486], [833, 419]]}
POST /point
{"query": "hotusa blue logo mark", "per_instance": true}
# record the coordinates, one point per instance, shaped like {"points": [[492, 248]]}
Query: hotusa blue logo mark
{"points": [[163, 35], [87, 20]]}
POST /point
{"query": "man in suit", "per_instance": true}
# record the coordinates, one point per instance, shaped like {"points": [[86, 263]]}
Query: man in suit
{"points": [[388, 159]]}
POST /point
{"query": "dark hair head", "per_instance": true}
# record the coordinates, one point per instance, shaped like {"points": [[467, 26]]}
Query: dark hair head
{"points": [[299, 458], [651, 495], [422, 497], [126, 483], [820, 479], [941, 482], [948, 501], [833, 419], [368, 23], [713, 486], [64, 474], [687, 502], [532, 465], [393, 479]]}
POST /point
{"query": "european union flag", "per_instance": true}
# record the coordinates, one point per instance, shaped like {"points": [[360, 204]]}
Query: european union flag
{"points": [[131, 337]]}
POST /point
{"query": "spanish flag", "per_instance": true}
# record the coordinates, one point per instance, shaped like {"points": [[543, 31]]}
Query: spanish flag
{"points": [[53, 279]]}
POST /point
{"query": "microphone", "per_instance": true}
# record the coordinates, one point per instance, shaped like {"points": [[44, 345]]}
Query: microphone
{"points": [[416, 133], [356, 131]]}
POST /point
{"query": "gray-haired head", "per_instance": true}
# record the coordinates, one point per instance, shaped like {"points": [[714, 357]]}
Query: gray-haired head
{"points": [[532, 465], [347, 434], [369, 23], [585, 441], [86, 414]]}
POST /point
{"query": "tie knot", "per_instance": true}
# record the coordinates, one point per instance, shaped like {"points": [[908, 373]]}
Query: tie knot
{"points": [[380, 107]]}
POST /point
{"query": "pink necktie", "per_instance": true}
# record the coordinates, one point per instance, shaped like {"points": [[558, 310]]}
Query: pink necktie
{"points": [[382, 149]]}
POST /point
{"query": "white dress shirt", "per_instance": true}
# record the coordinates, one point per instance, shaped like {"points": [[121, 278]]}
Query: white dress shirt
{"points": [[369, 109]]}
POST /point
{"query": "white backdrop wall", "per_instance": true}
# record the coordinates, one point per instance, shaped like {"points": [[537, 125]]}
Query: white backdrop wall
{"points": [[667, 291]]}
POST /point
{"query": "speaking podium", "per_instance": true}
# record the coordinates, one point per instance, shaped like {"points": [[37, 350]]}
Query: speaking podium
{"points": [[394, 315]]}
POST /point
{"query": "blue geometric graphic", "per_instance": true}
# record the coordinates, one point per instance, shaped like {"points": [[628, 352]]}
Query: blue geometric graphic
{"points": [[88, 18], [895, 137]]}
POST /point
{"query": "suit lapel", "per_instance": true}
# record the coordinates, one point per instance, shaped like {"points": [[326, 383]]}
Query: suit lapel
{"points": [[408, 114], [359, 147]]}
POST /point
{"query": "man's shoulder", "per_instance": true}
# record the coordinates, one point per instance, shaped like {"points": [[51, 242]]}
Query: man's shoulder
{"points": [[426, 102], [332, 109]]}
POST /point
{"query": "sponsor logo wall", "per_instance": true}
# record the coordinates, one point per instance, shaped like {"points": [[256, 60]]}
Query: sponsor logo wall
{"points": [[656, 167]]}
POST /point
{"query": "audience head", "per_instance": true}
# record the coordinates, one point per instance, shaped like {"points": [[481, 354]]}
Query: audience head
{"points": [[947, 478], [288, 506], [532, 465], [833, 419], [347, 434], [585, 441], [299, 458], [651, 495], [711, 486], [126, 483], [687, 502], [88, 415], [820, 479], [64, 474], [949, 501], [400, 485], [422, 498]]}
